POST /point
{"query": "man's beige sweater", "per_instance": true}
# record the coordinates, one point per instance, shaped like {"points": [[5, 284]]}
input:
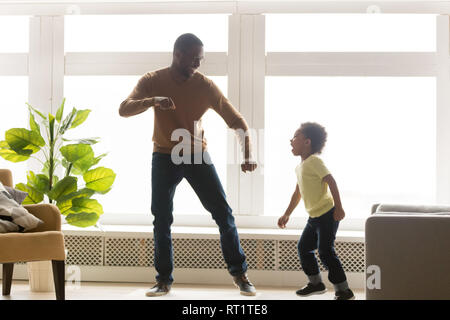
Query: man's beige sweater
{"points": [[192, 99]]}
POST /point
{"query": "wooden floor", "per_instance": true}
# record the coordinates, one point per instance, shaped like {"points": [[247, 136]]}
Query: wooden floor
{"points": [[136, 291]]}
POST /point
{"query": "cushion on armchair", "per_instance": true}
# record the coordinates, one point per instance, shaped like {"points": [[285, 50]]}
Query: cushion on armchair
{"points": [[13, 213], [17, 195]]}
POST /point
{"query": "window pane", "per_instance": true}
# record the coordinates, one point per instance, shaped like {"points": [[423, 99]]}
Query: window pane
{"points": [[381, 138], [143, 33], [350, 32], [14, 34], [14, 114], [128, 142]]}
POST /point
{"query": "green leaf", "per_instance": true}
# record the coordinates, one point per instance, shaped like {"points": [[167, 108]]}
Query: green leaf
{"points": [[105, 191], [64, 207], [10, 155], [67, 122], [80, 118], [82, 219], [99, 179], [86, 205], [81, 155], [34, 196], [24, 152], [40, 182], [76, 152], [77, 171], [82, 193], [63, 187], [33, 125], [84, 141], [60, 111], [84, 164], [36, 110], [21, 140]]}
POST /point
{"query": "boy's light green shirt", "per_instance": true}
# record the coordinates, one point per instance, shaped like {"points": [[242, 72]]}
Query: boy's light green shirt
{"points": [[314, 192]]}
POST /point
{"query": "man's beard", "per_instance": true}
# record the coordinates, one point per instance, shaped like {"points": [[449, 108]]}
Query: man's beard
{"points": [[187, 73]]}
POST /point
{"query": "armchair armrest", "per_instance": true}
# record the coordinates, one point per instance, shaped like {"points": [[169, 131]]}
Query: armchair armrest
{"points": [[48, 213]]}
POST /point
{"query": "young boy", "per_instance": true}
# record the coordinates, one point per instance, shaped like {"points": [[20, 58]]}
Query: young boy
{"points": [[325, 211]]}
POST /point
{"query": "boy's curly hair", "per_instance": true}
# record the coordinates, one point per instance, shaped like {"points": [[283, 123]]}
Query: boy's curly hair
{"points": [[316, 133]]}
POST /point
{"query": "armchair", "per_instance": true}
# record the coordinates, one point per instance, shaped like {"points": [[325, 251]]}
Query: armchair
{"points": [[46, 242]]}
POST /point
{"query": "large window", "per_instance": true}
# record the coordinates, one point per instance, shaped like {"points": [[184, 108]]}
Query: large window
{"points": [[350, 32], [14, 38], [376, 125], [128, 142], [14, 114], [375, 81], [381, 138], [143, 33], [14, 34]]}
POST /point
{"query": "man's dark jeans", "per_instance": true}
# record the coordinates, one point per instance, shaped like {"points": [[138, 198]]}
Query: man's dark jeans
{"points": [[204, 180], [320, 233]]}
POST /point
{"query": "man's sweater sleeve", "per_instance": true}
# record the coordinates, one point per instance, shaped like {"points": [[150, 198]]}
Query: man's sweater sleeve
{"points": [[233, 119], [140, 92]]}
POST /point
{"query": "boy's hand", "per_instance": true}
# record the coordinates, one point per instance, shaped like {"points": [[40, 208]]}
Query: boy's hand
{"points": [[283, 221], [164, 103], [338, 214]]}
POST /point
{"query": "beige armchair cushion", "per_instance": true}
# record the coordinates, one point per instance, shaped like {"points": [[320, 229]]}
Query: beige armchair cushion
{"points": [[48, 245]]}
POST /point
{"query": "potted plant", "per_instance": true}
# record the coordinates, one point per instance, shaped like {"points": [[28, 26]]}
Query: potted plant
{"points": [[75, 157]]}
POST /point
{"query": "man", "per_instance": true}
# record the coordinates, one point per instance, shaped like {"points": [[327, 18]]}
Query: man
{"points": [[180, 96]]}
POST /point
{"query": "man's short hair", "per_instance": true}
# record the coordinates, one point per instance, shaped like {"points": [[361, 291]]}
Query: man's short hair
{"points": [[186, 41], [316, 133]]}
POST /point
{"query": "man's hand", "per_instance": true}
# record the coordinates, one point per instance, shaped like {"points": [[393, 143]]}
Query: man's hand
{"points": [[164, 103], [338, 214], [248, 166], [282, 221]]}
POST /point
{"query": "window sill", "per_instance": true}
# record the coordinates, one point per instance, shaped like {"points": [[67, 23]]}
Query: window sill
{"points": [[252, 222], [140, 231]]}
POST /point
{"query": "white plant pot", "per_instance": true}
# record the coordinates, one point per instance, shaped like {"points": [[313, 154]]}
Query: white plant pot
{"points": [[40, 275]]}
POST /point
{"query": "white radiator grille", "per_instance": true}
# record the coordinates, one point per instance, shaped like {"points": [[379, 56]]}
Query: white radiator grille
{"points": [[129, 252], [351, 255], [198, 253], [84, 250], [262, 254]]}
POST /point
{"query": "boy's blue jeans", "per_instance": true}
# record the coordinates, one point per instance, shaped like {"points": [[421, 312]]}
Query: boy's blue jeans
{"points": [[204, 180], [320, 233]]}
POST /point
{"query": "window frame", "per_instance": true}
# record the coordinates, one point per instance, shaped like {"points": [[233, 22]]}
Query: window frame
{"points": [[246, 64]]}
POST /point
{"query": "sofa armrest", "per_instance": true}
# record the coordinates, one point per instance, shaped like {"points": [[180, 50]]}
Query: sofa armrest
{"points": [[48, 213], [374, 208]]}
